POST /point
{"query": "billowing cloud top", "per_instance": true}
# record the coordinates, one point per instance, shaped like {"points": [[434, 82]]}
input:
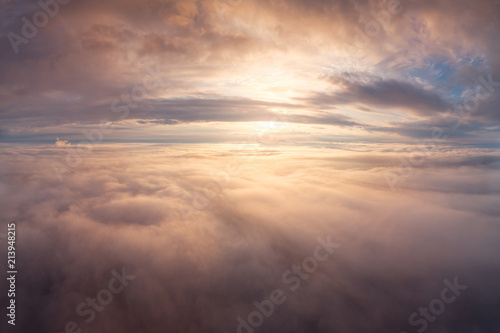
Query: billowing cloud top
{"points": [[207, 233]]}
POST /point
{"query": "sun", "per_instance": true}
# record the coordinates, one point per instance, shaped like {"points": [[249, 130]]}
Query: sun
{"points": [[269, 125]]}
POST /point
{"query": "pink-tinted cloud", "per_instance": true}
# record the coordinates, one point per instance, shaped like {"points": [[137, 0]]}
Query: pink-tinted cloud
{"points": [[122, 207]]}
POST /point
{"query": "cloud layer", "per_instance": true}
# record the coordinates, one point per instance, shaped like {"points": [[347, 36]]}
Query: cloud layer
{"points": [[124, 206]]}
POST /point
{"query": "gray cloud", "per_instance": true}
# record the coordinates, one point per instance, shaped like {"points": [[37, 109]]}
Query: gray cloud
{"points": [[377, 92]]}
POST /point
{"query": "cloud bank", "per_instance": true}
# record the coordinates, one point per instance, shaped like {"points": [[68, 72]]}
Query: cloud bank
{"points": [[123, 208]]}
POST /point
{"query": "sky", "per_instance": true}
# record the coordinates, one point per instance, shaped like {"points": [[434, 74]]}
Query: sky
{"points": [[251, 166], [210, 71]]}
